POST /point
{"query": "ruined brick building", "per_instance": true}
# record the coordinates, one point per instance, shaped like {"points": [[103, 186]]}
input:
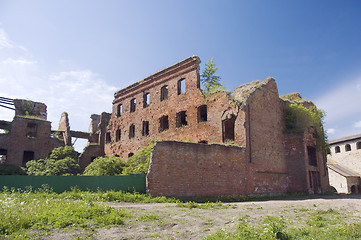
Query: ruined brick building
{"points": [[169, 105], [28, 136], [344, 164]]}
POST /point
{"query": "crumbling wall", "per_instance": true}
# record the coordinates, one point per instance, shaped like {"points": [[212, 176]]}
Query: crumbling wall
{"points": [[28, 139], [189, 169], [123, 141], [29, 108], [264, 128]]}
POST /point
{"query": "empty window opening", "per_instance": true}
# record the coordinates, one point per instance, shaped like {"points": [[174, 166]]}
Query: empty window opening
{"points": [[202, 113], [133, 104], [337, 149], [118, 135], [146, 100], [181, 86], [119, 110], [347, 147], [28, 156], [92, 159], [164, 93], [163, 124], [130, 154], [181, 119], [131, 131], [145, 128], [228, 129], [358, 145], [3, 155], [312, 157], [203, 142], [31, 130], [107, 137]]}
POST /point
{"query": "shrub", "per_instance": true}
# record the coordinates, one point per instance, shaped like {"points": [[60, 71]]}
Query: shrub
{"points": [[62, 161], [105, 166], [139, 162]]}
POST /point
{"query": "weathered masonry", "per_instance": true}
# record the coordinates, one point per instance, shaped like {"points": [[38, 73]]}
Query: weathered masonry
{"points": [[28, 136], [344, 164], [169, 105]]}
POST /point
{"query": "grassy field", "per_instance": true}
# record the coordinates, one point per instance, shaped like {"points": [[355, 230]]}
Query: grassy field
{"points": [[86, 215]]}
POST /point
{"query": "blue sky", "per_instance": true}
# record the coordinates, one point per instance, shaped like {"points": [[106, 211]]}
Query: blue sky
{"points": [[73, 55]]}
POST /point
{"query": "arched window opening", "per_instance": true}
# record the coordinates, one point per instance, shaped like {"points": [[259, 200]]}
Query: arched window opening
{"points": [[337, 149], [202, 113], [31, 130], [312, 157], [181, 119], [107, 137], [118, 135], [181, 86], [228, 128], [119, 110], [130, 154], [164, 93], [347, 147], [133, 104], [203, 142], [28, 156], [145, 128], [163, 124], [353, 189], [131, 131], [3, 155], [146, 100]]}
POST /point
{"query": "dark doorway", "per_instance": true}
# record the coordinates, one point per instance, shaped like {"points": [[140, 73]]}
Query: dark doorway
{"points": [[228, 129], [28, 156]]}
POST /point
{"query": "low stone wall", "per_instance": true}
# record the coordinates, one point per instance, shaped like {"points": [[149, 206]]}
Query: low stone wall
{"points": [[182, 169]]}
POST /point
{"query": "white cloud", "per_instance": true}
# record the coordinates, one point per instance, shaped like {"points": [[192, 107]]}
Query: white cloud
{"points": [[80, 92], [331, 131], [357, 124], [18, 61]]}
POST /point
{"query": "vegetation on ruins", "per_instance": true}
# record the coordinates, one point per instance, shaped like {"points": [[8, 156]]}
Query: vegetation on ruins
{"points": [[211, 83], [111, 165], [10, 169], [298, 118], [27, 107], [62, 161]]}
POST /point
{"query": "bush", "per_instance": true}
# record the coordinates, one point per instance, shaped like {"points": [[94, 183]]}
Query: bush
{"points": [[139, 162], [105, 166], [62, 161], [10, 169]]}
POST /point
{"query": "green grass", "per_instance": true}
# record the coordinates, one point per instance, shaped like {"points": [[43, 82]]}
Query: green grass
{"points": [[23, 215], [319, 224]]}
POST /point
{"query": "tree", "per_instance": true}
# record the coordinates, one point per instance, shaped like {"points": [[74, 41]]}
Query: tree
{"points": [[105, 166], [62, 161], [210, 82]]}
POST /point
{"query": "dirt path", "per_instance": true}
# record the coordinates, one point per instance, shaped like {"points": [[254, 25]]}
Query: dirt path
{"points": [[167, 221]]}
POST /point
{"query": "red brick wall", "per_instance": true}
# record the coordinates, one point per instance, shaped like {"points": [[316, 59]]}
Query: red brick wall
{"points": [[187, 170], [210, 131]]}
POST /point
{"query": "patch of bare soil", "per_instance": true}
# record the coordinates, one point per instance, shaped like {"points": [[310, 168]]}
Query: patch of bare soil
{"points": [[167, 221]]}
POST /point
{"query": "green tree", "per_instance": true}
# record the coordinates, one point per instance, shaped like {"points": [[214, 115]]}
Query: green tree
{"points": [[211, 83], [139, 162], [105, 166], [62, 161]]}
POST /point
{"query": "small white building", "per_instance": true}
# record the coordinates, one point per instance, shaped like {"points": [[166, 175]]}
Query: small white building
{"points": [[344, 164]]}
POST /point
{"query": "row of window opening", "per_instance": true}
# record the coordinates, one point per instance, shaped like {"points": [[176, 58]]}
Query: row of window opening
{"points": [[181, 89], [347, 147], [181, 121]]}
